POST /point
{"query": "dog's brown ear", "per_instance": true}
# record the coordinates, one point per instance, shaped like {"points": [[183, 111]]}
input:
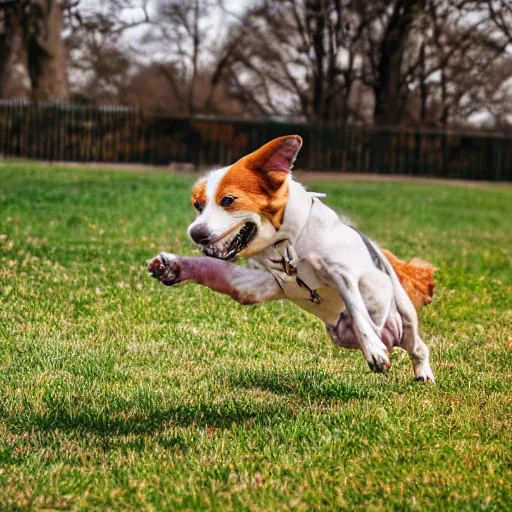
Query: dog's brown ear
{"points": [[276, 157]]}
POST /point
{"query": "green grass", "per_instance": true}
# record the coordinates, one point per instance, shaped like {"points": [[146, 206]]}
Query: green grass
{"points": [[119, 393]]}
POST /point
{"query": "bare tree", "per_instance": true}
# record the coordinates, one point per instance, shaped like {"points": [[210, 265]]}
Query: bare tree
{"points": [[437, 62], [30, 36], [102, 63], [322, 54], [459, 53], [298, 56], [182, 30], [387, 37], [11, 39], [500, 12]]}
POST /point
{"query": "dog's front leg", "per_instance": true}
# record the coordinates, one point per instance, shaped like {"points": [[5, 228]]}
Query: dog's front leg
{"points": [[367, 333], [245, 285]]}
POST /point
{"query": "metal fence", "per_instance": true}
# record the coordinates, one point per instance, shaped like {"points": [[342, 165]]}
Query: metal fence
{"points": [[66, 132]]}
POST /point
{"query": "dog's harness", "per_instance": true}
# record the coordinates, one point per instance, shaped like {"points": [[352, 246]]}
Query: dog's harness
{"points": [[286, 261], [291, 270]]}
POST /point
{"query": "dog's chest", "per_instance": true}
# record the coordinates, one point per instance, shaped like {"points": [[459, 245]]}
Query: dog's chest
{"points": [[325, 301]]}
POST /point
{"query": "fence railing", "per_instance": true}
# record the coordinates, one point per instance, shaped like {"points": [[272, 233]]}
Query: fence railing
{"points": [[66, 132]]}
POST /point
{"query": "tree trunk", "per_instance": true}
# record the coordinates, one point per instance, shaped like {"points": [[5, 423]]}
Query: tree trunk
{"points": [[47, 60], [11, 39], [423, 86], [388, 83], [30, 37], [195, 56], [316, 24]]}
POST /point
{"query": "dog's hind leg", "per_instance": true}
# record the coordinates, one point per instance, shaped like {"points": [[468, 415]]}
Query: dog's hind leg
{"points": [[411, 341], [245, 285]]}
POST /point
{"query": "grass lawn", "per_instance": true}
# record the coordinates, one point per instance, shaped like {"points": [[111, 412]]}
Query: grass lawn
{"points": [[118, 393]]}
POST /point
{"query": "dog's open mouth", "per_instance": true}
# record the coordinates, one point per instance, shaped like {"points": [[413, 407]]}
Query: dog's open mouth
{"points": [[229, 247]]}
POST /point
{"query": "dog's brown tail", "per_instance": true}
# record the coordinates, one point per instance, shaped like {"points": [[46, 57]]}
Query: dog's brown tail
{"points": [[417, 278]]}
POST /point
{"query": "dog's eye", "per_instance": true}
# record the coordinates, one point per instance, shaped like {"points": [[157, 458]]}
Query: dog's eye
{"points": [[227, 201], [198, 206]]}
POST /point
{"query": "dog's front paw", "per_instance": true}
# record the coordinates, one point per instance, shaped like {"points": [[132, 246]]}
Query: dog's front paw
{"points": [[165, 267], [378, 360]]}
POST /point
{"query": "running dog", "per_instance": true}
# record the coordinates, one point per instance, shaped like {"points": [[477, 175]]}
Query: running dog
{"points": [[300, 250]]}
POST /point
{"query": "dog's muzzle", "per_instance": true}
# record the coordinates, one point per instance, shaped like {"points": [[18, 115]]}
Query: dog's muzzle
{"points": [[228, 247]]}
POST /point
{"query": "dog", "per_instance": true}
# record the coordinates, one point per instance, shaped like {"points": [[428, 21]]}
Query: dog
{"points": [[300, 250]]}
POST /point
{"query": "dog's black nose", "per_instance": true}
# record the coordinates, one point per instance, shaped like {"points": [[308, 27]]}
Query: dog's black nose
{"points": [[200, 234]]}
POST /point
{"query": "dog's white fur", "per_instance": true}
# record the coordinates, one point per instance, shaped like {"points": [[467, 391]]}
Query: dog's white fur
{"points": [[329, 256]]}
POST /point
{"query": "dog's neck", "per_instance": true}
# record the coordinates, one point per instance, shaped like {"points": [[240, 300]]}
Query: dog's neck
{"points": [[296, 213]]}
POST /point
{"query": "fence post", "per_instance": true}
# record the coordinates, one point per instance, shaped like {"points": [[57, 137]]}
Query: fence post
{"points": [[498, 159]]}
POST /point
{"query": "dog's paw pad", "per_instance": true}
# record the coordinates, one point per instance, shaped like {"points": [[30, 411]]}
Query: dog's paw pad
{"points": [[165, 267]]}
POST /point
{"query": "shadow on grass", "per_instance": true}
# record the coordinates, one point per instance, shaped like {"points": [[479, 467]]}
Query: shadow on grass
{"points": [[131, 420], [311, 384], [142, 416]]}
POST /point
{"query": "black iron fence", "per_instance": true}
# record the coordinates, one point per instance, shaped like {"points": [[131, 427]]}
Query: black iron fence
{"points": [[66, 132]]}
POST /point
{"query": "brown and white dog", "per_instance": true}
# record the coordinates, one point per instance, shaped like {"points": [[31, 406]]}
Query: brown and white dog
{"points": [[300, 250]]}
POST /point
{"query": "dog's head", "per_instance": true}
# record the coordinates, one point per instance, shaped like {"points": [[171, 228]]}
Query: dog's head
{"points": [[240, 208]]}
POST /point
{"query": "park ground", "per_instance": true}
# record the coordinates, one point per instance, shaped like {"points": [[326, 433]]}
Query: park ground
{"points": [[117, 393]]}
